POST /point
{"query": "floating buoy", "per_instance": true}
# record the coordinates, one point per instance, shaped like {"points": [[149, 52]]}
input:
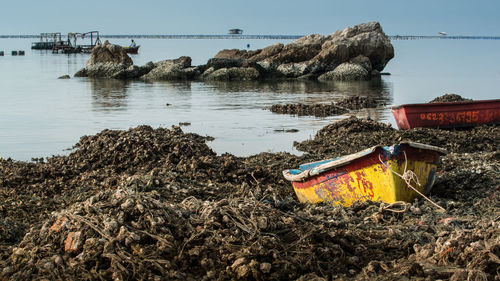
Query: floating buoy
{"points": [[1, 53], [21, 53], [14, 53]]}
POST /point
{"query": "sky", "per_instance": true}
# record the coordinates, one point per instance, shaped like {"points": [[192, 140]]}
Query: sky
{"points": [[291, 17]]}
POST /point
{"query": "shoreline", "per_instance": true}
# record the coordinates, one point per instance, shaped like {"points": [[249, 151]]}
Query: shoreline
{"points": [[169, 166]]}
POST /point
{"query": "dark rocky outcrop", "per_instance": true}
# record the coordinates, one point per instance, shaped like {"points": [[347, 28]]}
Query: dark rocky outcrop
{"points": [[178, 69], [346, 72], [108, 61], [234, 73], [355, 53]]}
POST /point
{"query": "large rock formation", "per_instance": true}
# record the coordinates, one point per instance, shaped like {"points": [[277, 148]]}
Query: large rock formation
{"points": [[364, 45], [354, 53], [109, 61]]}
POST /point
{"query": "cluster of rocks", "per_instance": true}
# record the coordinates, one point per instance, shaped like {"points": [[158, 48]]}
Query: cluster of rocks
{"points": [[159, 203], [111, 61], [355, 53]]}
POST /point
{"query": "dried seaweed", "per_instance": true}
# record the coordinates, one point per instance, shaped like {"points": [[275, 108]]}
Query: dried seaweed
{"points": [[154, 204]]}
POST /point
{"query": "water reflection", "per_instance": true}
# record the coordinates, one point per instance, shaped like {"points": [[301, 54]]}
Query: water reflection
{"points": [[255, 94], [268, 86], [373, 87], [180, 86], [376, 88], [109, 95]]}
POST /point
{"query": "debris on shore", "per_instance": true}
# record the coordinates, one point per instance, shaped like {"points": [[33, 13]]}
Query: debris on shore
{"points": [[449, 98], [323, 110], [358, 102], [317, 110], [156, 204], [352, 134]]}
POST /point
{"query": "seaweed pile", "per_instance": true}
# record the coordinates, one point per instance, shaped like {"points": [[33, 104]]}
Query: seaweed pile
{"points": [[340, 107], [352, 134], [317, 110], [449, 98], [155, 204], [178, 163], [358, 102]]}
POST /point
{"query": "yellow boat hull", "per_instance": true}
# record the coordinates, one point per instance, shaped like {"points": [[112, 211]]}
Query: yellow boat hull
{"points": [[374, 175]]}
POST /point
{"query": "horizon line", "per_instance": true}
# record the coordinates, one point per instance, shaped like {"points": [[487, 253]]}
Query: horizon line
{"points": [[249, 36]]}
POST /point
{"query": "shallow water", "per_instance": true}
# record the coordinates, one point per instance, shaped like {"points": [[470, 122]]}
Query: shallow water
{"points": [[41, 115]]}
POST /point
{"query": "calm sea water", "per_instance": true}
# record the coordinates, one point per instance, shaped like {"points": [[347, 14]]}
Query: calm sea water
{"points": [[41, 115]]}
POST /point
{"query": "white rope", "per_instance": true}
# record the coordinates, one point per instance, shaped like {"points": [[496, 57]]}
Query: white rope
{"points": [[393, 207], [408, 176]]}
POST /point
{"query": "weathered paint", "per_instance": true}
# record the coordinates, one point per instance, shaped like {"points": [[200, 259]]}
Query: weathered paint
{"points": [[367, 178], [447, 114]]}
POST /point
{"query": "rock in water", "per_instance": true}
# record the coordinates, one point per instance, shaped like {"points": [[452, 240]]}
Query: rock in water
{"points": [[109, 61], [346, 72], [109, 53], [178, 69], [364, 45], [355, 53], [234, 73]]}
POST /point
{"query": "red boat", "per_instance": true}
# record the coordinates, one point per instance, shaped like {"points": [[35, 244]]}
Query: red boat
{"points": [[132, 50], [447, 114]]}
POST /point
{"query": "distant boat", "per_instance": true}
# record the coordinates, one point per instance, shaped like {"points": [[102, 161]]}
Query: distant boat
{"points": [[235, 31], [447, 114], [131, 50], [442, 33]]}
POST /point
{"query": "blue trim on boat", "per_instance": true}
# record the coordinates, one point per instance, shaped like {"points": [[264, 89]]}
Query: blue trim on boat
{"points": [[309, 166]]}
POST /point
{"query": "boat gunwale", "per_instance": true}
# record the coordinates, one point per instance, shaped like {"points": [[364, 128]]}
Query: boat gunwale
{"points": [[438, 104], [347, 159]]}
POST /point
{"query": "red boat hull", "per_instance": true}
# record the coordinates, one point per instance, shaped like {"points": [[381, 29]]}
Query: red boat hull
{"points": [[447, 114]]}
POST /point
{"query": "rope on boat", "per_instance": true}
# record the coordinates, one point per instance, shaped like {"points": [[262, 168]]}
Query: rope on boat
{"points": [[408, 176]]}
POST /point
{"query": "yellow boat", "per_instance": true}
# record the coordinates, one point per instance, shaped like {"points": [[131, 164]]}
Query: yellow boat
{"points": [[401, 172]]}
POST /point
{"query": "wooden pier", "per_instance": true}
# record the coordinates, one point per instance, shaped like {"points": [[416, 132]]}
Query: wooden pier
{"points": [[70, 46], [47, 41]]}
